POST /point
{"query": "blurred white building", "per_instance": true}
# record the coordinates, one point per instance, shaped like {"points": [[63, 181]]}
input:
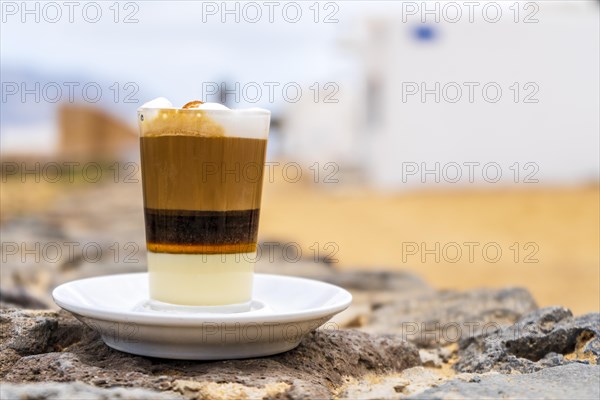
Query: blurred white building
{"points": [[475, 98]]}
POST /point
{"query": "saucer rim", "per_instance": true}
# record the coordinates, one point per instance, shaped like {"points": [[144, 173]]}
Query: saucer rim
{"points": [[129, 316]]}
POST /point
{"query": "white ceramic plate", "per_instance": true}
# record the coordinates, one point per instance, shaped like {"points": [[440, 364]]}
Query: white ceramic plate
{"points": [[284, 310]]}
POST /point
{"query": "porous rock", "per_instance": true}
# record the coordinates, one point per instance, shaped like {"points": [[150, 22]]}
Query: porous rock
{"points": [[77, 391], [547, 337], [573, 381], [47, 346], [440, 318]]}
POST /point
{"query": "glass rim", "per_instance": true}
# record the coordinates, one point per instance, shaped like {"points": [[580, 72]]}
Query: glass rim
{"points": [[233, 111]]}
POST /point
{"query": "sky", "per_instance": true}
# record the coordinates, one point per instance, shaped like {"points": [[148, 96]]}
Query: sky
{"points": [[171, 47]]}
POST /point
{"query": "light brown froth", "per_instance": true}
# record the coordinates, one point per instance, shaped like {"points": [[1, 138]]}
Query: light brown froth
{"points": [[188, 122]]}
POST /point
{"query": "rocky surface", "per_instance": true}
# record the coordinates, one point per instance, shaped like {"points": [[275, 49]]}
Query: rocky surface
{"points": [[574, 381], [77, 237], [433, 318], [49, 346], [546, 353], [78, 391], [544, 338]]}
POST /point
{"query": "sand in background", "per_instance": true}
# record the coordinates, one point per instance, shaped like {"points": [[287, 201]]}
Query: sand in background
{"points": [[558, 227], [369, 229]]}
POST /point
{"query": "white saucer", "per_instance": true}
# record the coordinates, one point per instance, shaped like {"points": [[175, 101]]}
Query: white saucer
{"points": [[284, 309]]}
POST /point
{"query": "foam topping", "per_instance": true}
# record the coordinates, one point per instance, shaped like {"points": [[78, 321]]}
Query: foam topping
{"points": [[158, 117]]}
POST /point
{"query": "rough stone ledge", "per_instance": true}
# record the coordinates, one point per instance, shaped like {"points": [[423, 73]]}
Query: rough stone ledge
{"points": [[77, 391], [573, 381], [444, 317], [544, 338], [48, 346], [518, 344]]}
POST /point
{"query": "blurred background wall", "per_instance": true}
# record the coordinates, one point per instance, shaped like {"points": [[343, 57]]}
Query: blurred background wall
{"points": [[402, 132]]}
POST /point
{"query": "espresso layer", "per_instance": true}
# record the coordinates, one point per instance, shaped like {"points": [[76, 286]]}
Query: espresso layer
{"points": [[201, 232], [181, 172]]}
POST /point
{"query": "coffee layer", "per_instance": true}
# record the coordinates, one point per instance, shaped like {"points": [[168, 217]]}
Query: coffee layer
{"points": [[201, 232], [182, 172]]}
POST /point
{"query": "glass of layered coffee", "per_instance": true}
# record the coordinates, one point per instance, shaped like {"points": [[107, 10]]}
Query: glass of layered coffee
{"points": [[202, 173]]}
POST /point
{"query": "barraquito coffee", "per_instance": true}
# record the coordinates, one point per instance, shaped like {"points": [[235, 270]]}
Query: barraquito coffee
{"points": [[202, 168]]}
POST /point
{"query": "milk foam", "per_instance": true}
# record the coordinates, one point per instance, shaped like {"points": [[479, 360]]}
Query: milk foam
{"points": [[159, 117]]}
